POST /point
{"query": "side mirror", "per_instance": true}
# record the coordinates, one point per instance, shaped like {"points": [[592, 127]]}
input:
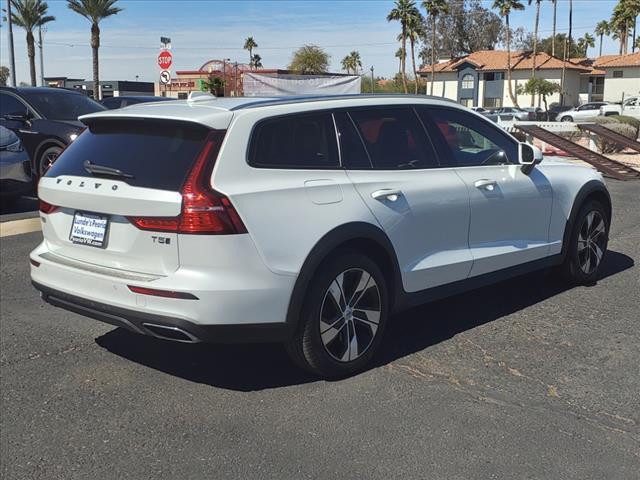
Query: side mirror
{"points": [[529, 156]]}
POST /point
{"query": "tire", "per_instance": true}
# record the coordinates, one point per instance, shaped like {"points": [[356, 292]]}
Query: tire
{"points": [[566, 118], [587, 244], [46, 160], [333, 353]]}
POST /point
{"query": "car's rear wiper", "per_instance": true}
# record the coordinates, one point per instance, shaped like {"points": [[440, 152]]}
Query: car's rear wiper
{"points": [[105, 171]]}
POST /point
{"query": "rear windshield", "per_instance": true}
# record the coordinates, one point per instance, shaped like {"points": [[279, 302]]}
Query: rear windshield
{"points": [[61, 105], [157, 154]]}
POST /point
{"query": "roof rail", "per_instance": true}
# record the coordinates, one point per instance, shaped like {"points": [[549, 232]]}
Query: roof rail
{"points": [[317, 98]]}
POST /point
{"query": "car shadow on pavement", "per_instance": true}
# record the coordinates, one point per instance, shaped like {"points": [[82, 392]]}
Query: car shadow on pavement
{"points": [[263, 366]]}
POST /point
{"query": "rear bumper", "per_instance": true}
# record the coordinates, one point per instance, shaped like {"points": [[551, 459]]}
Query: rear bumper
{"points": [[146, 324]]}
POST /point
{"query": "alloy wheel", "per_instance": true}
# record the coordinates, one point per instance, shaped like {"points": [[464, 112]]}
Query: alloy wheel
{"points": [[591, 242], [350, 315], [47, 160]]}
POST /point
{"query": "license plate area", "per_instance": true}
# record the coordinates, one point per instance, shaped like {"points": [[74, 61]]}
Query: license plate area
{"points": [[89, 229]]}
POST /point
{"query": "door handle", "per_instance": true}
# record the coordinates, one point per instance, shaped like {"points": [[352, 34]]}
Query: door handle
{"points": [[387, 194], [486, 184]]}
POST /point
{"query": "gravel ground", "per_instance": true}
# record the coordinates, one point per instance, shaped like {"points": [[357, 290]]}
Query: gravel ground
{"points": [[524, 379]]}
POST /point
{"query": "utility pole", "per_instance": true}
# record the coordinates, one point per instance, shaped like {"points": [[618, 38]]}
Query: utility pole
{"points": [[372, 79], [12, 61], [41, 55], [235, 79]]}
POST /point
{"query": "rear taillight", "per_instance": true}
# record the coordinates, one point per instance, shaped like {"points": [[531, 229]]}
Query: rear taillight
{"points": [[204, 211], [46, 207]]}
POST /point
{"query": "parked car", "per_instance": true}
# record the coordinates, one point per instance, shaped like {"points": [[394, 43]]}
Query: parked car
{"points": [[306, 221], [120, 102], [581, 113], [630, 107], [479, 109], [555, 109], [515, 113], [45, 119], [15, 166], [539, 113]]}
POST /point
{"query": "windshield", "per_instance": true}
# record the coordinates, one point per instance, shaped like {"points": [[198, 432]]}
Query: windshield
{"points": [[61, 105]]}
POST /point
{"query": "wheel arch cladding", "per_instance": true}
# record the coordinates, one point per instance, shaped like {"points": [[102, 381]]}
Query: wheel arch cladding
{"points": [[592, 190], [357, 236]]}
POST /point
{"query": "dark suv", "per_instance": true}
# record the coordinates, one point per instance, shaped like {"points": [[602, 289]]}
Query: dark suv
{"points": [[45, 119]]}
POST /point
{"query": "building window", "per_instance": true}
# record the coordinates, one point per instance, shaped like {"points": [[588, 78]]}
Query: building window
{"points": [[492, 103], [467, 81], [492, 76], [617, 74], [467, 102]]}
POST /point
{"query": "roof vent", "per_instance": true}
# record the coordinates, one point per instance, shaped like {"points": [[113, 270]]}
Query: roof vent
{"points": [[200, 96]]}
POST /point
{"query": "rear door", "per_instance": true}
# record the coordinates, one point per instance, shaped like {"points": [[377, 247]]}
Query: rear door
{"points": [[89, 220], [423, 209], [510, 211]]}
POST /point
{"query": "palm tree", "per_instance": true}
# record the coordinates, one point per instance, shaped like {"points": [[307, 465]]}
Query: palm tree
{"points": [[505, 7], [356, 61], [624, 15], [415, 30], [602, 29], [434, 8], [402, 12], [256, 61], [555, 11], [400, 57], [95, 11], [30, 14], [250, 44], [586, 42], [352, 62], [535, 43], [346, 63]]}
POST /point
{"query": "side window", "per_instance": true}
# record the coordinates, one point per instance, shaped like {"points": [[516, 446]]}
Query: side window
{"points": [[394, 138], [470, 140], [295, 141], [352, 151], [9, 105]]}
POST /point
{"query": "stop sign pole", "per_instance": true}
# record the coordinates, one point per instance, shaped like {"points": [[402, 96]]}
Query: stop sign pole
{"points": [[165, 59]]}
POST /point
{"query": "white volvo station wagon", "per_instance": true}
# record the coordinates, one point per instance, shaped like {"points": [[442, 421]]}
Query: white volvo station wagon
{"points": [[306, 221]]}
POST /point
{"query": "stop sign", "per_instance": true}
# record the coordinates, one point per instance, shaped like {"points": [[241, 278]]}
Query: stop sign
{"points": [[165, 59]]}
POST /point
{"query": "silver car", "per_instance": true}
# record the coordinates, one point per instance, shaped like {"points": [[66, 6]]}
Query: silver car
{"points": [[15, 166], [583, 112]]}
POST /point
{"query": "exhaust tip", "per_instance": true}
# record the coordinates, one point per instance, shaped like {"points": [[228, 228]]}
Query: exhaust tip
{"points": [[170, 333]]}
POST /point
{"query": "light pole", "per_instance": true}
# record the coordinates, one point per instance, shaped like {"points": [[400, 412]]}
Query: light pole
{"points": [[40, 48], [224, 76], [372, 79], [12, 62]]}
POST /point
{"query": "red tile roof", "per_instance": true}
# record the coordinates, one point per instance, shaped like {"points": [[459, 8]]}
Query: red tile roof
{"points": [[488, 60], [610, 61]]}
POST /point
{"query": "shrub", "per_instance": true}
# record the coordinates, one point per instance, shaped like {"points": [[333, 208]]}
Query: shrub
{"points": [[604, 120], [607, 146], [634, 122]]}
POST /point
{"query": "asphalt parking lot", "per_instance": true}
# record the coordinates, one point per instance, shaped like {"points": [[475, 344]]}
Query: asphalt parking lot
{"points": [[525, 379]]}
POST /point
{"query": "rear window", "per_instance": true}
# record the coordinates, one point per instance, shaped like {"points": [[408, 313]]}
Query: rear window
{"points": [[295, 141], [61, 105], [157, 154]]}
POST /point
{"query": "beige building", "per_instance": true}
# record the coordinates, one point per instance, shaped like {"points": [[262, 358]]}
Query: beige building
{"points": [[480, 78]]}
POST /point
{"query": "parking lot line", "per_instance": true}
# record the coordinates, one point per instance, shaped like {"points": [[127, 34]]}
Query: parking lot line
{"points": [[18, 227]]}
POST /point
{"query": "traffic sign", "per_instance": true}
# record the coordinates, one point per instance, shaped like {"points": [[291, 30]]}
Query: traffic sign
{"points": [[165, 77], [165, 59]]}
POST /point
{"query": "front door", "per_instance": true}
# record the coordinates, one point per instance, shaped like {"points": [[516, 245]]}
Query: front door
{"points": [[424, 210], [510, 211]]}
